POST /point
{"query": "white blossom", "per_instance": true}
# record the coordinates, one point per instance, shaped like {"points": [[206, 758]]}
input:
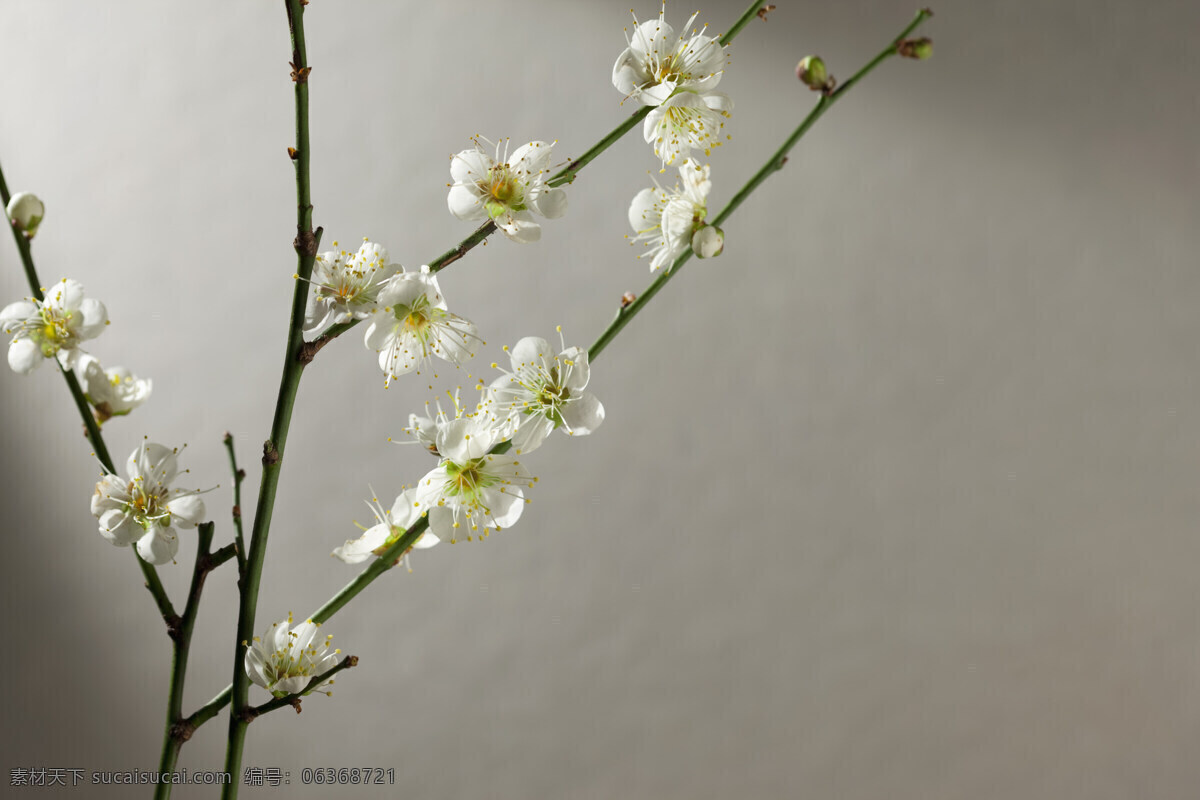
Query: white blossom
{"points": [[53, 327], [144, 508], [113, 392], [422, 429], [677, 77], [506, 189], [665, 221], [388, 528], [285, 659], [346, 285], [545, 391], [482, 491], [410, 325], [686, 122], [656, 63]]}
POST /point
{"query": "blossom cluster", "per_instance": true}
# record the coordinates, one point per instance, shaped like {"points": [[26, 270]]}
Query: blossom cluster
{"points": [[676, 76], [55, 327], [479, 483]]}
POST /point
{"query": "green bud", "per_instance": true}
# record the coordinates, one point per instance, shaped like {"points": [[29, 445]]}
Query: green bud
{"points": [[920, 49], [25, 211], [812, 73]]}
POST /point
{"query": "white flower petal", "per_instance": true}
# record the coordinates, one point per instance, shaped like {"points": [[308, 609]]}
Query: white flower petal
{"points": [[159, 545], [719, 102], [531, 432], [531, 159], [24, 356], [465, 204], [94, 318], [16, 312], [532, 351], [355, 551], [470, 165], [583, 415], [551, 203], [66, 295], [576, 370], [292, 685], [120, 528], [186, 511], [520, 228]]}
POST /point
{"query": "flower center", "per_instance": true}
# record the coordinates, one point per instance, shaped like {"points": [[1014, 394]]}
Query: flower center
{"points": [[147, 508], [502, 192], [467, 479], [417, 318], [54, 332], [670, 69]]}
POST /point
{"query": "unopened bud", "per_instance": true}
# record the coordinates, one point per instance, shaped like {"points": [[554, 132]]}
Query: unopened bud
{"points": [[812, 73], [920, 49], [25, 211], [709, 241]]}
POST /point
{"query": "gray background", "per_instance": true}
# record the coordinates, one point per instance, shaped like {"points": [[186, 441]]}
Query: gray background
{"points": [[896, 499]]}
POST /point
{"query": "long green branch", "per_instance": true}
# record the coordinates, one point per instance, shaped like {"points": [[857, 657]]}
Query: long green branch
{"points": [[396, 551], [149, 571], [305, 245]]}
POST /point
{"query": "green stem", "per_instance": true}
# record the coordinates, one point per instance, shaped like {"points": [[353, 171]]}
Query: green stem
{"points": [[747, 15], [238, 476], [177, 731], [22, 244], [391, 556], [773, 164], [565, 175], [305, 245], [149, 571]]}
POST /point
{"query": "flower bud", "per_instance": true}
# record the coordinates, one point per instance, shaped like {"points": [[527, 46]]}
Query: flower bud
{"points": [[708, 241], [25, 211], [812, 73], [920, 49]]}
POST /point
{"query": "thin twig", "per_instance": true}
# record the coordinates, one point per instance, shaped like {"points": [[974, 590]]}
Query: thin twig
{"points": [[239, 475]]}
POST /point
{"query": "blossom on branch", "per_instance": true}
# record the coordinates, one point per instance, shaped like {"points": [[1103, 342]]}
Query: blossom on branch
{"points": [[665, 221], [144, 508], [677, 77], [684, 123], [410, 325], [546, 391], [285, 659], [657, 63], [112, 392], [53, 327], [482, 491], [346, 285], [506, 189], [423, 428], [389, 527]]}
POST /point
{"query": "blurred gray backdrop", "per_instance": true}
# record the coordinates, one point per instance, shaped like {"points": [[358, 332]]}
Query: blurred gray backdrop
{"points": [[896, 499]]}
